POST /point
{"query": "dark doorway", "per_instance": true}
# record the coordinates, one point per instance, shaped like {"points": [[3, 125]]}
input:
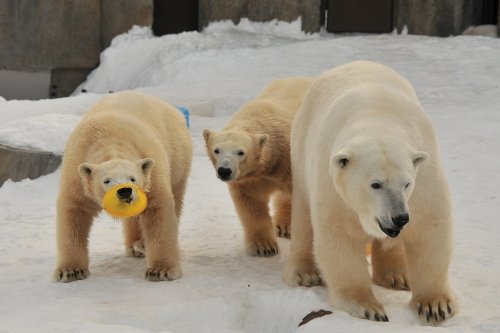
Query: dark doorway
{"points": [[490, 12], [360, 15], [173, 16]]}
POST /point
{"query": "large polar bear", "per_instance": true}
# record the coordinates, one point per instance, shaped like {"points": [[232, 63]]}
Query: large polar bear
{"points": [[366, 167], [252, 154], [126, 137]]}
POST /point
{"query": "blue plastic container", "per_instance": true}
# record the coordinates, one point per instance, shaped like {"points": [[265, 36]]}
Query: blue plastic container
{"points": [[185, 112]]}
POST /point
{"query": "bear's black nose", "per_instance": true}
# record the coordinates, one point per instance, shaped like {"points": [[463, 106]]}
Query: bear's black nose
{"points": [[124, 193], [400, 220], [224, 173]]}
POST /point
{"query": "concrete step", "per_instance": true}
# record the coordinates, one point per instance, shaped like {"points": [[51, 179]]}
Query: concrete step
{"points": [[18, 164]]}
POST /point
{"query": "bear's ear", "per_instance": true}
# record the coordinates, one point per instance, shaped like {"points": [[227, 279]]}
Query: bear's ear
{"points": [[206, 134], [340, 160], [85, 170], [419, 157], [262, 138], [146, 165]]}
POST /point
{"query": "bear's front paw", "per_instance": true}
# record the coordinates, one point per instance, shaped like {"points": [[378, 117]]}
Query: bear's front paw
{"points": [[263, 248], [70, 274], [307, 277], [162, 274], [434, 310]]}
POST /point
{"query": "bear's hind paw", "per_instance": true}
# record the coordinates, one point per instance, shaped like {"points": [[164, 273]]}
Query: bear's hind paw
{"points": [[283, 230], [306, 278], [132, 252], [371, 310], [394, 280], [70, 275], [137, 250], [163, 274], [263, 249]]}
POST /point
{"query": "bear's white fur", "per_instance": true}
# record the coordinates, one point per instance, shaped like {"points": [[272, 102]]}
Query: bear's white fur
{"points": [[365, 159], [252, 154], [133, 138]]}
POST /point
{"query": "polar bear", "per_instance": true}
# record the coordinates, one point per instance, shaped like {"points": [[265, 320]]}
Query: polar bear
{"points": [[252, 154], [366, 166], [127, 137]]}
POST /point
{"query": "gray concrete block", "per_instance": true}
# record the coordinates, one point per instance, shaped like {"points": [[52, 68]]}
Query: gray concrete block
{"points": [[436, 17], [261, 11], [118, 16], [38, 34], [64, 81], [18, 164], [311, 15]]}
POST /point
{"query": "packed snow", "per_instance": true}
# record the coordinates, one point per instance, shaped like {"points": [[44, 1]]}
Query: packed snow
{"points": [[223, 290]]}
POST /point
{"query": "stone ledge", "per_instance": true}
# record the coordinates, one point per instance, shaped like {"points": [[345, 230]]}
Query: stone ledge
{"points": [[18, 164]]}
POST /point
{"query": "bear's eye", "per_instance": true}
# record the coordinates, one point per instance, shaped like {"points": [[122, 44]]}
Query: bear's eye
{"points": [[376, 186], [216, 151], [106, 181], [132, 179], [241, 153], [407, 185]]}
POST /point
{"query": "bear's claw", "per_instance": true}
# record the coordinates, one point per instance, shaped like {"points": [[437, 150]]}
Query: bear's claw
{"points": [[393, 280], [263, 249], [366, 309], [283, 231], [70, 275], [162, 274], [434, 311], [376, 317], [302, 277], [309, 280]]}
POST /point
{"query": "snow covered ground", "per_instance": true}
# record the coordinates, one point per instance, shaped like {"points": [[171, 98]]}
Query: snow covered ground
{"points": [[222, 290]]}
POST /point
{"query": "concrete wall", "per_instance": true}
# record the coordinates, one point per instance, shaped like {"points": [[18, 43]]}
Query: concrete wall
{"points": [[421, 17], [118, 16], [38, 34], [261, 11], [64, 37], [436, 17]]}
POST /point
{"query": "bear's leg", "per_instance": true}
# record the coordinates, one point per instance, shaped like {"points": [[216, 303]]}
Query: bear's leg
{"points": [[341, 258], [282, 215], [389, 265], [160, 231], [253, 212], [134, 243], [428, 249], [73, 227], [179, 192], [300, 268]]}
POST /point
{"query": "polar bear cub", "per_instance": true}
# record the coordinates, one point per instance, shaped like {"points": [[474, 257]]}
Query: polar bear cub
{"points": [[252, 154], [366, 167], [133, 138]]}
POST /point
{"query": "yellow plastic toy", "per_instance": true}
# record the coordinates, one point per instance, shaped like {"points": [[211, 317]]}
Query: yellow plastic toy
{"points": [[118, 200]]}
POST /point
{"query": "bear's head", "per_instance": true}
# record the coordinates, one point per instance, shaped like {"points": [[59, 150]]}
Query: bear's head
{"points": [[376, 179], [99, 178], [233, 153]]}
